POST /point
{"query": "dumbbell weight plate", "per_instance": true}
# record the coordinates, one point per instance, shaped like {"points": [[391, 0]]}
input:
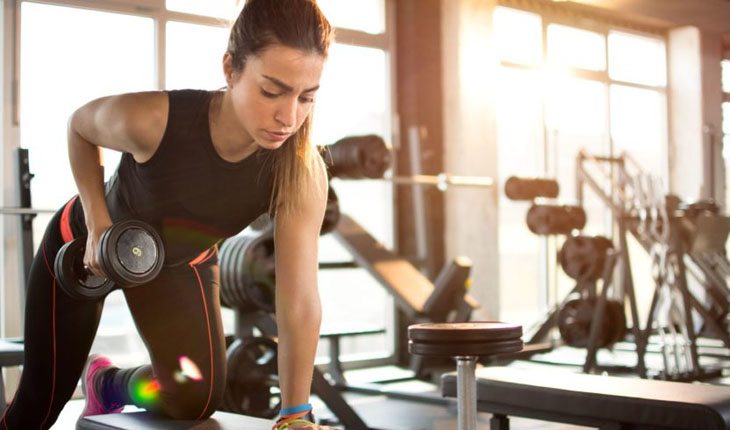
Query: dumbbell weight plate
{"points": [[545, 219], [331, 213], [73, 278], [247, 271], [225, 298], [473, 348], [234, 267], [468, 339], [583, 257], [477, 331], [252, 378], [131, 253], [517, 188], [357, 157], [577, 315], [574, 321]]}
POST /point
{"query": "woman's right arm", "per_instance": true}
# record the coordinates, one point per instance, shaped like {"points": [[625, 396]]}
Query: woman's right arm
{"points": [[131, 123]]}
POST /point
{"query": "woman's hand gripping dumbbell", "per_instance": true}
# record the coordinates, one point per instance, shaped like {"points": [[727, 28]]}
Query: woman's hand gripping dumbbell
{"points": [[130, 253]]}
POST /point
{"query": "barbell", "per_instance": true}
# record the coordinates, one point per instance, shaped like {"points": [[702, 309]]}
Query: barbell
{"points": [[25, 211], [368, 157]]}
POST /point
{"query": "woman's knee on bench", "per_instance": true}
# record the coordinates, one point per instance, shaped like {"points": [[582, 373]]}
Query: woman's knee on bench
{"points": [[189, 396], [192, 400]]}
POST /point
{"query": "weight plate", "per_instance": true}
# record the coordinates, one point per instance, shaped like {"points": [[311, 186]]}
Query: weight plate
{"points": [[477, 331], [471, 349], [124, 250], [73, 278], [252, 383], [137, 251]]}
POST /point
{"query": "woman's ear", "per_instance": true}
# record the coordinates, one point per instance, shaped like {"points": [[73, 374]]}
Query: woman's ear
{"points": [[228, 68]]}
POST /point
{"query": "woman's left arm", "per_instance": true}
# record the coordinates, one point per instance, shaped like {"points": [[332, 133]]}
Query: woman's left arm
{"points": [[298, 308]]}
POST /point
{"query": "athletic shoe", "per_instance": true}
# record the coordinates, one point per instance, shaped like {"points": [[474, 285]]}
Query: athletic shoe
{"points": [[91, 387]]}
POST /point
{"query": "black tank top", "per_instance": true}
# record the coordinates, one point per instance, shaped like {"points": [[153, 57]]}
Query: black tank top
{"points": [[193, 196]]}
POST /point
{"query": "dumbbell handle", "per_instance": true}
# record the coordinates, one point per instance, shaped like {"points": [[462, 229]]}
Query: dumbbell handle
{"points": [[466, 386]]}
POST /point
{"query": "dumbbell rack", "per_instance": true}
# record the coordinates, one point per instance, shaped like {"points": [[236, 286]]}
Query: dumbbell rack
{"points": [[599, 323], [580, 315], [622, 184]]}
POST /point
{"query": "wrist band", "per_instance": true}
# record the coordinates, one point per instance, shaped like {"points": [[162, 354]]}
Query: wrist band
{"points": [[295, 409]]}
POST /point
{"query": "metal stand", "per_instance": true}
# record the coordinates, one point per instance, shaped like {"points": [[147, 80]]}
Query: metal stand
{"points": [[467, 392]]}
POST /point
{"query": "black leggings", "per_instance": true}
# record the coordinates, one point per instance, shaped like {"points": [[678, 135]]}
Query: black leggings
{"points": [[177, 314]]}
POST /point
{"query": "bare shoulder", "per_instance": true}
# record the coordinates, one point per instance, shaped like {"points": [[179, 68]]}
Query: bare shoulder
{"points": [[145, 119], [130, 122], [311, 201], [315, 188]]}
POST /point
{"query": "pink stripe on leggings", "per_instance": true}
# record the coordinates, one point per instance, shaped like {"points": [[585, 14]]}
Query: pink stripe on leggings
{"points": [[207, 322]]}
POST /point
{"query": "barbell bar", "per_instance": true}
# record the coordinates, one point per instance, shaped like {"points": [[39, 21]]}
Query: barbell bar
{"points": [[25, 211], [442, 181], [368, 157]]}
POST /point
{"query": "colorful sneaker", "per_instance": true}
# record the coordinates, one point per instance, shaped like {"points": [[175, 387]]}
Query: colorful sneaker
{"points": [[94, 403]]}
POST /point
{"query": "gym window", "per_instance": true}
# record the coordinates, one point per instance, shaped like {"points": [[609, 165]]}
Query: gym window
{"points": [[565, 86], [72, 51]]}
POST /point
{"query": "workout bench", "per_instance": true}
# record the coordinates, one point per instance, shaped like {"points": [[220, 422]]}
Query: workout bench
{"points": [[416, 296], [146, 421], [605, 402]]}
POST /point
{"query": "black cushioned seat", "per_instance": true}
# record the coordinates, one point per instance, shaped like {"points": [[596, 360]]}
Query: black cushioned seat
{"points": [[598, 401], [146, 421]]}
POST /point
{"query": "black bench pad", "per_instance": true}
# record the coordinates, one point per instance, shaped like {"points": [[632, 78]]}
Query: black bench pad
{"points": [[601, 401], [146, 421]]}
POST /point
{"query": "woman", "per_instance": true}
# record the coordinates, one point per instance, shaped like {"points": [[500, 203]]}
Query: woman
{"points": [[199, 166]]}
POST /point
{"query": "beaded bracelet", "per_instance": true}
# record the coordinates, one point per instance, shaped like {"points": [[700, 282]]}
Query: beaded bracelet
{"points": [[294, 419]]}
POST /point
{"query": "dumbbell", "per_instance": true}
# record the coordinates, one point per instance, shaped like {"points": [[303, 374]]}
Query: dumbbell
{"points": [[543, 219], [357, 157], [466, 342], [517, 188], [130, 254]]}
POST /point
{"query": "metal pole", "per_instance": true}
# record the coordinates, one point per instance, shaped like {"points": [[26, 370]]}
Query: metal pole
{"points": [[442, 181], [420, 210], [25, 211], [466, 392]]}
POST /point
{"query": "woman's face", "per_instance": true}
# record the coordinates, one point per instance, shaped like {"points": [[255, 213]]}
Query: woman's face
{"points": [[274, 93]]}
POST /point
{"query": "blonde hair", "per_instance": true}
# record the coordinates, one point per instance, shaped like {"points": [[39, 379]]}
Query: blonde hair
{"points": [[298, 170]]}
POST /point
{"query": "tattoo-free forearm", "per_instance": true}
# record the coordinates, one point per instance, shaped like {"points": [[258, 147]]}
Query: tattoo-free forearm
{"points": [[298, 324], [88, 172]]}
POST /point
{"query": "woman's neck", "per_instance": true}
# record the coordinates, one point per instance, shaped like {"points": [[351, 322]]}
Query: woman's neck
{"points": [[230, 139]]}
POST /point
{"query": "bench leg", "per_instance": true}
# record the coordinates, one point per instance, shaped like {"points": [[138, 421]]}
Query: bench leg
{"points": [[3, 404], [499, 422], [335, 366]]}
